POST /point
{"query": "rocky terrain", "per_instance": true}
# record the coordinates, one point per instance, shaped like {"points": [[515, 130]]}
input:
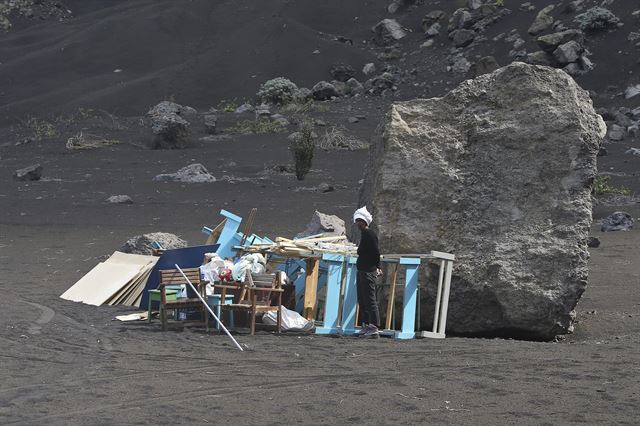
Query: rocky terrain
{"points": [[124, 117]]}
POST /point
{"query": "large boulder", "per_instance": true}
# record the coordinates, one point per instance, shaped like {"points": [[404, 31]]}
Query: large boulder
{"points": [[499, 172], [322, 223], [141, 244], [170, 128]]}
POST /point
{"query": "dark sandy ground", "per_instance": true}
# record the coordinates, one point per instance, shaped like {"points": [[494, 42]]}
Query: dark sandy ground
{"points": [[68, 363], [71, 364]]}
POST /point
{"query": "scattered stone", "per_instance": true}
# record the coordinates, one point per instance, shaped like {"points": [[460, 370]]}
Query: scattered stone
{"points": [[171, 130], [353, 120], [30, 173], [325, 187], [380, 83], [323, 91], [527, 7], [616, 133], [355, 87], [432, 18], [632, 91], [461, 19], [462, 38], [323, 224], [120, 199], [459, 64], [369, 69], [433, 30], [618, 221], [342, 72], [427, 43], [593, 242], [597, 19], [474, 4], [141, 244], [193, 173], [388, 31], [469, 142], [210, 123], [550, 42], [633, 151], [540, 58], [543, 21], [568, 52], [484, 65]]}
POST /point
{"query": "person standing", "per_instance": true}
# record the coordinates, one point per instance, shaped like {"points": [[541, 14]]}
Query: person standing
{"points": [[368, 265]]}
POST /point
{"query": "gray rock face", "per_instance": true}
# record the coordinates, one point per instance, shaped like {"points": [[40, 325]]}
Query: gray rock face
{"points": [[324, 90], [597, 19], [499, 172], [141, 244], [171, 130], [28, 173], [120, 199], [322, 223], [388, 31], [193, 173], [618, 221]]}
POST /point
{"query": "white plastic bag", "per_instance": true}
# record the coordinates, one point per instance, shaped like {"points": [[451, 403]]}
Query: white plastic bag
{"points": [[291, 320]]}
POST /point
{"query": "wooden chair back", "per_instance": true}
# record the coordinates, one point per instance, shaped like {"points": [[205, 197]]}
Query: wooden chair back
{"points": [[174, 277]]}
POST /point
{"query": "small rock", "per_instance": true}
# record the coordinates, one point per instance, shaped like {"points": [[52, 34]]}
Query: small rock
{"points": [[593, 242], [568, 52], [616, 133], [543, 21], [431, 18], [633, 151], [353, 120], [484, 65], [342, 72], [618, 221], [369, 69], [463, 37], [324, 90], [388, 31], [30, 173], [460, 19], [433, 30], [550, 42], [193, 173], [323, 224], [356, 88], [325, 187], [632, 91], [262, 111], [244, 108], [210, 123], [120, 199], [427, 43]]}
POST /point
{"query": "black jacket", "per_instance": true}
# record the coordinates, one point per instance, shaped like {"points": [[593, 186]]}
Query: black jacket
{"points": [[368, 252]]}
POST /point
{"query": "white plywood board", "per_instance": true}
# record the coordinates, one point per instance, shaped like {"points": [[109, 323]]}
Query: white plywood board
{"points": [[101, 283]]}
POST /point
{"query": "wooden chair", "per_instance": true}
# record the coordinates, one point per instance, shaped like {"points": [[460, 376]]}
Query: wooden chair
{"points": [[255, 295], [171, 277]]}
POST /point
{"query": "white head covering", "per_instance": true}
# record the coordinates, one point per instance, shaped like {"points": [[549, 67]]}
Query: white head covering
{"points": [[363, 213]]}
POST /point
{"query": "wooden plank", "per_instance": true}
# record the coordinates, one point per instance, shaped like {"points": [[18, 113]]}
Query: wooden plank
{"points": [[215, 233], [311, 289], [392, 297]]}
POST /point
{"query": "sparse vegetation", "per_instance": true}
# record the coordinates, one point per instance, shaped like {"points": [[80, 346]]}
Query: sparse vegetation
{"points": [[602, 186], [302, 149], [279, 90], [39, 129], [83, 141], [499, 3], [258, 126], [230, 105], [337, 138]]}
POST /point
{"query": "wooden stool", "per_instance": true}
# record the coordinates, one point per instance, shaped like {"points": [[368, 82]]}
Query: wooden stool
{"points": [[154, 296]]}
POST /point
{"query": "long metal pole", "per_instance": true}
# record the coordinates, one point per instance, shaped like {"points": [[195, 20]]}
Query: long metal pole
{"points": [[206, 305]]}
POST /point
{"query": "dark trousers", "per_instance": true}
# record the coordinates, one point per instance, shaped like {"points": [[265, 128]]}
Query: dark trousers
{"points": [[366, 286]]}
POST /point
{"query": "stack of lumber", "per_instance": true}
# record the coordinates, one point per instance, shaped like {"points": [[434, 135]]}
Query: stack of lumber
{"points": [[119, 280], [315, 245]]}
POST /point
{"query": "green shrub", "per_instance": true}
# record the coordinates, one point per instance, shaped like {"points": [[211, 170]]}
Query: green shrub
{"points": [[302, 149], [277, 91], [601, 186], [596, 19]]}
